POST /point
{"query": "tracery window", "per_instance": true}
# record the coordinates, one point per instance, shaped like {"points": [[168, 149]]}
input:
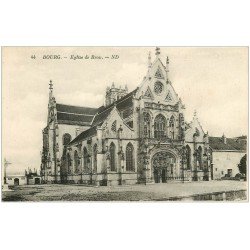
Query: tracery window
{"points": [[113, 126], [199, 158], [158, 88], [69, 162], [130, 158], [188, 157], [85, 158], [66, 139], [146, 118], [95, 157], [159, 126], [112, 157], [76, 161]]}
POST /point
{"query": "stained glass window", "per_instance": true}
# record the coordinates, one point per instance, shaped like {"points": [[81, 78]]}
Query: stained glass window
{"points": [[159, 126], [66, 139], [158, 88], [85, 158], [113, 126], [188, 157], [130, 157], [76, 161]]}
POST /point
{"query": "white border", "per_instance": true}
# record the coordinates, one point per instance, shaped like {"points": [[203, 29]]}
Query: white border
{"points": [[124, 225]]}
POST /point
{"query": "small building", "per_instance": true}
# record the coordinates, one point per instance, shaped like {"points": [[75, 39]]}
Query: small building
{"points": [[32, 177], [226, 155], [16, 180]]}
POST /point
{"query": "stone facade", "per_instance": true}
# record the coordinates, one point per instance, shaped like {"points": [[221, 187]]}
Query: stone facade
{"points": [[137, 137]]}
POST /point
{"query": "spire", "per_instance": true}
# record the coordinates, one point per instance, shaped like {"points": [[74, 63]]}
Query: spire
{"points": [[126, 87], [50, 89], [195, 114], [157, 51], [113, 85], [167, 64], [149, 60]]}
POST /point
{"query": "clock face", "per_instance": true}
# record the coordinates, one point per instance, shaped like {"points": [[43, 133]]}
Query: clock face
{"points": [[158, 88]]}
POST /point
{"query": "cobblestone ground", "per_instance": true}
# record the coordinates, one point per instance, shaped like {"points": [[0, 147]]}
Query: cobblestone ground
{"points": [[150, 192]]}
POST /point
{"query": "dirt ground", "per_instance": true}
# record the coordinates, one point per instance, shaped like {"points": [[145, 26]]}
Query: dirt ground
{"points": [[150, 192]]}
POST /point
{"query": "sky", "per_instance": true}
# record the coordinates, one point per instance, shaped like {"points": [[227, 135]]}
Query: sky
{"points": [[211, 80]]}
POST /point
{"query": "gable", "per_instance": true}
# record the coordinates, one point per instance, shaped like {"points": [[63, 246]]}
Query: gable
{"points": [[156, 85], [113, 123], [194, 129], [148, 94]]}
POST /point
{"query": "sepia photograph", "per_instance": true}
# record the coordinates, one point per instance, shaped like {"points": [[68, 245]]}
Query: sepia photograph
{"points": [[130, 124]]}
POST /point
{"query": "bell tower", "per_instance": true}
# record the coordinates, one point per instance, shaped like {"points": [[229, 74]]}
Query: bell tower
{"points": [[114, 93]]}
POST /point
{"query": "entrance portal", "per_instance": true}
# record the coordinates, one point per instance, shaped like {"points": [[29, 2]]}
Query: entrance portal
{"points": [[37, 180], [16, 181], [163, 166]]}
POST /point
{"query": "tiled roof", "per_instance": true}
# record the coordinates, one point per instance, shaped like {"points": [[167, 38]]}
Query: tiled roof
{"points": [[75, 109], [74, 115], [121, 104], [84, 135], [232, 144], [101, 116]]}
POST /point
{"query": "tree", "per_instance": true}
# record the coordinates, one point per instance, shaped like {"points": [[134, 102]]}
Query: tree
{"points": [[243, 165]]}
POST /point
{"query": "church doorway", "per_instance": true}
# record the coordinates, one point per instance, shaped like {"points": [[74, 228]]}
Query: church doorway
{"points": [[156, 175], [163, 175], [16, 182], [37, 180], [163, 165]]}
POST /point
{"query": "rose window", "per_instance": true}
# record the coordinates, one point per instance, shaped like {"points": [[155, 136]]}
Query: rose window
{"points": [[158, 88]]}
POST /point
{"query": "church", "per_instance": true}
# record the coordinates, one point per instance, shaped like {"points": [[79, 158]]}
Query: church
{"points": [[136, 137]]}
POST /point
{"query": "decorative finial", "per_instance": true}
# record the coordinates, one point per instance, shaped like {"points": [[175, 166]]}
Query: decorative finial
{"points": [[113, 85], [149, 60], [50, 85], [167, 64], [157, 51], [195, 113]]}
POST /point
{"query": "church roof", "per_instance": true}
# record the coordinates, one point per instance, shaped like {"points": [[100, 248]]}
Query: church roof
{"points": [[84, 135], [232, 144], [74, 115], [121, 104]]}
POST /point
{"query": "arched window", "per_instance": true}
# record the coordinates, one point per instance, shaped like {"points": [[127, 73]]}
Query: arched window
{"points": [[69, 162], [66, 139], [112, 157], [85, 158], [199, 158], [172, 127], [146, 125], [95, 158], [130, 162], [159, 126], [76, 161], [188, 157]]}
